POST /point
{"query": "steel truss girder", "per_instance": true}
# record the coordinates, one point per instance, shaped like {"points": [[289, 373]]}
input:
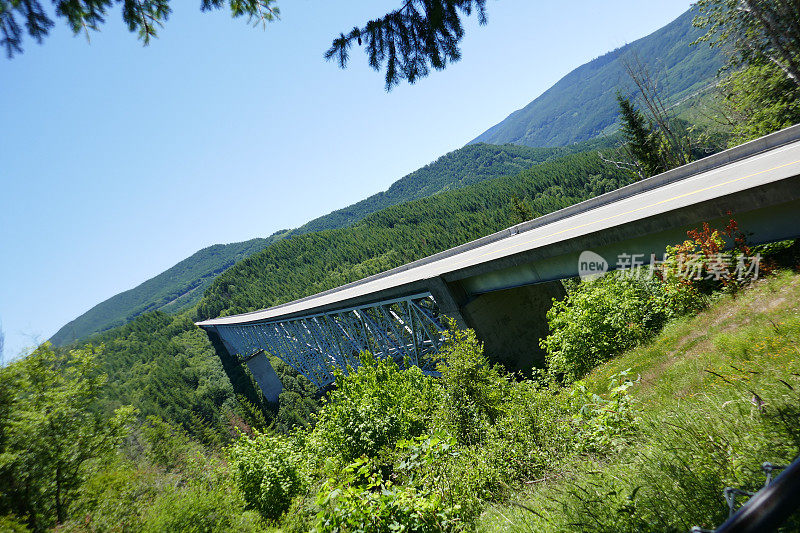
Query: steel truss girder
{"points": [[406, 329]]}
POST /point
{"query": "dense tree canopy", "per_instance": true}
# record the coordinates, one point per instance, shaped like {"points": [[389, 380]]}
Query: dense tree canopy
{"points": [[407, 42]]}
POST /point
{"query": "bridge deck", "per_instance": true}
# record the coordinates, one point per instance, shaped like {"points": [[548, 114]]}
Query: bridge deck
{"points": [[770, 159]]}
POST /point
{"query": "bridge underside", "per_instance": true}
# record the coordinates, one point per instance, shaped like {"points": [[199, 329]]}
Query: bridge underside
{"points": [[406, 329]]}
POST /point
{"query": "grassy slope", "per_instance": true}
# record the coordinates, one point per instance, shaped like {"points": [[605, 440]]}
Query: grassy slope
{"points": [[583, 103], [752, 341]]}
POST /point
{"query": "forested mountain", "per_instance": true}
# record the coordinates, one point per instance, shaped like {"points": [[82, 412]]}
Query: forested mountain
{"points": [[583, 103], [175, 289], [306, 264], [181, 287], [465, 166]]}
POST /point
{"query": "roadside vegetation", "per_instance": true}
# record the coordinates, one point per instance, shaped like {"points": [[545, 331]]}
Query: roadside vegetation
{"points": [[665, 391]]}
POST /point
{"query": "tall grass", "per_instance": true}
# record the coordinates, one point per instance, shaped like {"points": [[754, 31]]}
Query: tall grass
{"points": [[718, 396]]}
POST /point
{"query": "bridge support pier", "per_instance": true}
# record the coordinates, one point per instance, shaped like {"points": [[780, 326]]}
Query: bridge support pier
{"points": [[509, 322], [265, 376]]}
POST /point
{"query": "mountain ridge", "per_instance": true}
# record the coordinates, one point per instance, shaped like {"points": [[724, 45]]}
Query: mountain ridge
{"points": [[582, 104]]}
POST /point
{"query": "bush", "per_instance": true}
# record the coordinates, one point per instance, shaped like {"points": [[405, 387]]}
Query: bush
{"points": [[534, 434], [373, 408], [116, 497], [600, 319], [362, 501], [10, 524], [267, 470], [604, 422], [474, 392], [199, 509]]}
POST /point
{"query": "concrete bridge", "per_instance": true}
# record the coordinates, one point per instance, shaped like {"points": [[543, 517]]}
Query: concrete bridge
{"points": [[503, 284]]}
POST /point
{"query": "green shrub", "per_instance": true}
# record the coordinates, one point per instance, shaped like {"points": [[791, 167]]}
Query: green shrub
{"points": [[11, 524], [200, 509], [267, 470], [675, 478], [534, 434], [373, 408], [600, 319], [116, 497], [604, 421], [362, 501], [474, 391], [167, 445]]}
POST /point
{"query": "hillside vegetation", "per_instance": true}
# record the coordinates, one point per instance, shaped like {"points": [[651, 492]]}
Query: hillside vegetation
{"points": [[475, 449], [181, 287], [714, 397], [583, 104], [459, 168]]}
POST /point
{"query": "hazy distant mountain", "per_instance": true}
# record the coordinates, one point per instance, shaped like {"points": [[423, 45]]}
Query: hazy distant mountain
{"points": [[582, 104]]}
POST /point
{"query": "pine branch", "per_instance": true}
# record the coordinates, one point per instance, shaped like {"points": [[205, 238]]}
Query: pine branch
{"points": [[409, 41]]}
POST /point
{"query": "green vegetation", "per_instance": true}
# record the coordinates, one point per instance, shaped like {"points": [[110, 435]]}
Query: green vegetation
{"points": [[715, 398], [49, 433], [759, 99], [466, 166], [476, 448], [582, 105]]}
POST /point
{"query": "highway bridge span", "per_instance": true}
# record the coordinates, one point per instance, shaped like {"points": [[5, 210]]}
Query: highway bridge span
{"points": [[503, 284]]}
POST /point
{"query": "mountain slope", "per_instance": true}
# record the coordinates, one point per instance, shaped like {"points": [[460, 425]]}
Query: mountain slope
{"points": [[175, 289], [582, 104], [182, 286], [459, 168], [306, 264]]}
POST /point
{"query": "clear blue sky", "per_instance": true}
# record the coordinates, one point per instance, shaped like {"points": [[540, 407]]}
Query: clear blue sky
{"points": [[118, 160]]}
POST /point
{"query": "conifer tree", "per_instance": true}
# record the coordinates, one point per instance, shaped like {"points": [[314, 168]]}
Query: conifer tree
{"points": [[407, 42], [640, 138]]}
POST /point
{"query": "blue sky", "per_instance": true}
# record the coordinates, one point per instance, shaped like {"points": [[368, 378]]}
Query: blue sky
{"points": [[120, 160]]}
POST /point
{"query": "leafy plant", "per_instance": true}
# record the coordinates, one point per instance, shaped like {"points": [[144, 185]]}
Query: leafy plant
{"points": [[362, 501], [603, 421], [373, 407], [473, 391], [599, 319], [268, 471]]}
